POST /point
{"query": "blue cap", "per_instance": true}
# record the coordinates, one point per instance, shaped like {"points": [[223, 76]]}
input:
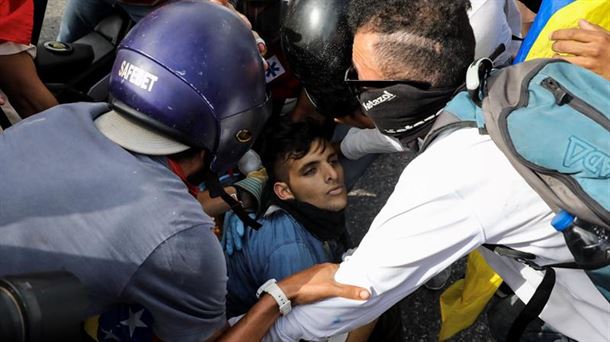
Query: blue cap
{"points": [[562, 220]]}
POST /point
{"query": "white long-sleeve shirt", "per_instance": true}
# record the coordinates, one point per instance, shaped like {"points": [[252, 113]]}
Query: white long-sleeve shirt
{"points": [[460, 193]]}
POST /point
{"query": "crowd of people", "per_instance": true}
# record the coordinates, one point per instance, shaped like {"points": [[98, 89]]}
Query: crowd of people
{"points": [[205, 199]]}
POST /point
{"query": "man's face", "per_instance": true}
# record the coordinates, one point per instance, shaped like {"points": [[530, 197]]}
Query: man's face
{"points": [[364, 57], [317, 178]]}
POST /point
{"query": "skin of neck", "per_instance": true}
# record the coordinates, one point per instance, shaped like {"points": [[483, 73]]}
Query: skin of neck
{"points": [[192, 165]]}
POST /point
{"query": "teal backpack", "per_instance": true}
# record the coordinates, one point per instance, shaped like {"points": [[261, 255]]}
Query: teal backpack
{"points": [[552, 121]]}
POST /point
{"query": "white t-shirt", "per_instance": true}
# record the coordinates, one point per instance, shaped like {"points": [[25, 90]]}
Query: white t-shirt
{"points": [[460, 193], [494, 22]]}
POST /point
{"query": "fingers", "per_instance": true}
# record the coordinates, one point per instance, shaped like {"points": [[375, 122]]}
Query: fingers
{"points": [[574, 48], [585, 25], [228, 5], [350, 292], [576, 34], [260, 43], [587, 32], [317, 283], [262, 48]]}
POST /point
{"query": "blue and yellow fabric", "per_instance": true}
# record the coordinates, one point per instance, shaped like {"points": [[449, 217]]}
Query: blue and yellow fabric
{"points": [[559, 14], [122, 322]]}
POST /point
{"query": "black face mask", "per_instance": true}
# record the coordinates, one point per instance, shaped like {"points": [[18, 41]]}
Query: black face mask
{"points": [[404, 111], [323, 224]]}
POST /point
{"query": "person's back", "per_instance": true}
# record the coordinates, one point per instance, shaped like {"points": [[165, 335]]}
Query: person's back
{"points": [[484, 200], [117, 220], [107, 191]]}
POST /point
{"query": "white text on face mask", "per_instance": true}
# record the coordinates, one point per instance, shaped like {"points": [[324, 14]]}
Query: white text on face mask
{"points": [[385, 97]]}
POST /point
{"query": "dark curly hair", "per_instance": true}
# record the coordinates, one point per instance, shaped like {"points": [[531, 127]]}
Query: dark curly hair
{"points": [[285, 140], [423, 40]]}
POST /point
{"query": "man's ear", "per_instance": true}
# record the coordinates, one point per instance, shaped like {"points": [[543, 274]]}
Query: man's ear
{"points": [[282, 191]]}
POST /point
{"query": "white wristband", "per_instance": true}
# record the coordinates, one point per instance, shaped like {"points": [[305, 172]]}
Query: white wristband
{"points": [[271, 287]]}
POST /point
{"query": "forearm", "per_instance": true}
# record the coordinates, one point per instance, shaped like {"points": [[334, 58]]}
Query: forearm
{"points": [[255, 324], [360, 142], [24, 89], [363, 333]]}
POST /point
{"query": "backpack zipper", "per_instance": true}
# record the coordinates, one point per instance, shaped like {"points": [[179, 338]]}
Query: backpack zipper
{"points": [[563, 96]]}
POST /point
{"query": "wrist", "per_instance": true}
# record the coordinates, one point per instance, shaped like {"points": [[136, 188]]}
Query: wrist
{"points": [[272, 288], [288, 289]]}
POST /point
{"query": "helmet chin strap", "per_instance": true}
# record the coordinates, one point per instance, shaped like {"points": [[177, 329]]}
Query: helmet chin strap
{"points": [[217, 190]]}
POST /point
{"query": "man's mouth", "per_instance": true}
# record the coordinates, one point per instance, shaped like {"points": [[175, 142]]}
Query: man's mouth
{"points": [[338, 190]]}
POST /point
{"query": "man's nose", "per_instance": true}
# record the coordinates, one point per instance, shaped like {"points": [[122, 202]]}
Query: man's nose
{"points": [[330, 173]]}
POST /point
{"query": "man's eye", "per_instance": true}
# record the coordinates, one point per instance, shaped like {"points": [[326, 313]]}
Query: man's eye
{"points": [[310, 172], [334, 161]]}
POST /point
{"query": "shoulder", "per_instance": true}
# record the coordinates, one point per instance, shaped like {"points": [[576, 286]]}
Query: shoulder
{"points": [[452, 155], [464, 162], [68, 117], [279, 229]]}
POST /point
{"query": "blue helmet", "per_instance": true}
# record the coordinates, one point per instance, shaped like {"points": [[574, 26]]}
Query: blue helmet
{"points": [[188, 75]]}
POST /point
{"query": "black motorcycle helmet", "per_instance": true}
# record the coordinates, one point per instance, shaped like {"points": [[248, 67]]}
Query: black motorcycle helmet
{"points": [[318, 45]]}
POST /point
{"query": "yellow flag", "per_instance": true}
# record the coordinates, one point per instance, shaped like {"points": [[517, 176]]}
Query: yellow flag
{"points": [[464, 300]]}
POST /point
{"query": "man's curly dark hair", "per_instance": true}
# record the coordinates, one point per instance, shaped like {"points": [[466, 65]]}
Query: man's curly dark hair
{"points": [[286, 140], [422, 40]]}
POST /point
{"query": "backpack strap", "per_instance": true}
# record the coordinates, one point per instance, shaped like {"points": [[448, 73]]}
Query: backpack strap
{"points": [[460, 112], [541, 296], [519, 256], [534, 307]]}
